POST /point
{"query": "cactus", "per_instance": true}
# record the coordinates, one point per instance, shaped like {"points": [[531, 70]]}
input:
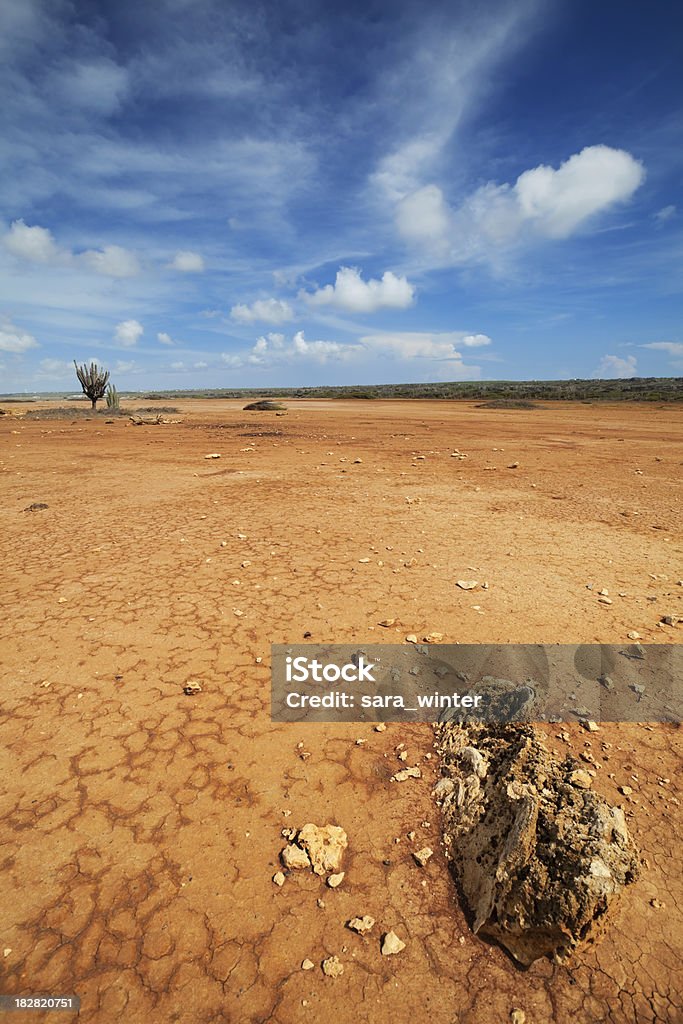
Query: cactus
{"points": [[112, 397], [93, 381]]}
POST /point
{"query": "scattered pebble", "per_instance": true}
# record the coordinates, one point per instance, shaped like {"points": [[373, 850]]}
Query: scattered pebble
{"points": [[406, 773], [333, 967], [192, 687], [518, 1017], [307, 965], [334, 881], [422, 856], [361, 924], [391, 944], [467, 584], [212, 455], [581, 778], [279, 879]]}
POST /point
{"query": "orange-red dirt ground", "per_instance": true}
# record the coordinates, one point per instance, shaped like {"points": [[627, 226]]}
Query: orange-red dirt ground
{"points": [[141, 826]]}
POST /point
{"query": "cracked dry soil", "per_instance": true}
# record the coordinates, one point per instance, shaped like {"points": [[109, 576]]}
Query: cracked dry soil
{"points": [[140, 825]]}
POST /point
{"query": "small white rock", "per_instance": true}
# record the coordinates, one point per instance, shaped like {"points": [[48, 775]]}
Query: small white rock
{"points": [[391, 944]]}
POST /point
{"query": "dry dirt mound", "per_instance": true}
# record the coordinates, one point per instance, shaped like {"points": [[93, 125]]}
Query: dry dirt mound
{"points": [[540, 858]]}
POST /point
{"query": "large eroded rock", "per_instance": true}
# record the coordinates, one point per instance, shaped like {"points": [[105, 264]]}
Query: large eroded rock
{"points": [[541, 860]]}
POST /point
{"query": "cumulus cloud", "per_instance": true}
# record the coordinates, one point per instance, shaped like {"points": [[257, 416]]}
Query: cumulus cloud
{"points": [[112, 260], [270, 311], [321, 351], [164, 338], [30, 243], [352, 294], [475, 340], [128, 332], [187, 262], [438, 347], [590, 181], [37, 245], [423, 345], [13, 339], [615, 366], [544, 201], [273, 349]]}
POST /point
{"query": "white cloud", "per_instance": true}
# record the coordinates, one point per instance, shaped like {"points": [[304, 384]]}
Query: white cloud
{"points": [[128, 332], [270, 311], [440, 347], [666, 213], [543, 201], [187, 262], [423, 216], [590, 181], [352, 294], [674, 349], [419, 345], [60, 368], [321, 351], [37, 245], [124, 367], [272, 350], [96, 85], [615, 366], [178, 366], [164, 338], [112, 260], [232, 360], [31, 243], [475, 340], [201, 365], [12, 339]]}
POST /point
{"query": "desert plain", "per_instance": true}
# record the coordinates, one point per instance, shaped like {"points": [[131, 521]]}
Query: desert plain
{"points": [[141, 825]]}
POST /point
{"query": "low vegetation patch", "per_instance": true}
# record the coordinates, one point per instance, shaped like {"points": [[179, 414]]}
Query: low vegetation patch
{"points": [[64, 412], [508, 403], [264, 405], [166, 409]]}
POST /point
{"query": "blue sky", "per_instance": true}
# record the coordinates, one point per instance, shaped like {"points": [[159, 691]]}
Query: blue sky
{"points": [[200, 193]]}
